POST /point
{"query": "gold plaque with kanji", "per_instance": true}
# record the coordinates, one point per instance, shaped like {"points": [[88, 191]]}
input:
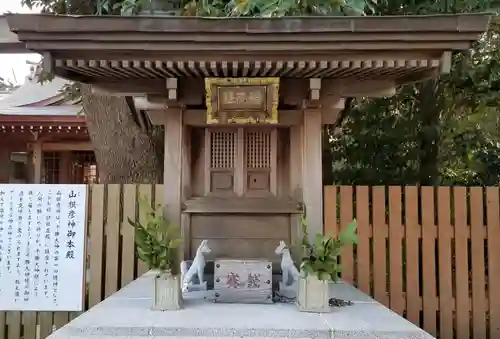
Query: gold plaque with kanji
{"points": [[242, 100]]}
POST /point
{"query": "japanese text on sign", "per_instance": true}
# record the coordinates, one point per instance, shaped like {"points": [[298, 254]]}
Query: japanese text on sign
{"points": [[42, 237]]}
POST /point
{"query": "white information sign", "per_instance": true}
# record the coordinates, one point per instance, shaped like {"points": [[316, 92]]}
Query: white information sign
{"points": [[42, 237]]}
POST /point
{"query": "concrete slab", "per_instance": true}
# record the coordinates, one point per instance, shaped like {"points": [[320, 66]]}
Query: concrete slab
{"points": [[126, 314]]}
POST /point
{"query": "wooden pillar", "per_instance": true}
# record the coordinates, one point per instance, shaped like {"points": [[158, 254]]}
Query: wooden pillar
{"points": [[172, 173], [186, 191], [296, 146], [312, 178], [176, 169], [37, 162]]}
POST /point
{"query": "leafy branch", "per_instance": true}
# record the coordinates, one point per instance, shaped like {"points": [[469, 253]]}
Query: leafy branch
{"points": [[321, 257], [157, 240], [277, 8]]}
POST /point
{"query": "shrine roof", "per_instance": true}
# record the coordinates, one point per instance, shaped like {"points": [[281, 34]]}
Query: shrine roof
{"points": [[31, 92], [42, 119], [49, 115], [33, 105], [412, 24], [103, 48]]}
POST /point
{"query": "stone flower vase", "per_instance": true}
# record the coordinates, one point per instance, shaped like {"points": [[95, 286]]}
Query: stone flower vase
{"points": [[313, 294], [167, 295]]}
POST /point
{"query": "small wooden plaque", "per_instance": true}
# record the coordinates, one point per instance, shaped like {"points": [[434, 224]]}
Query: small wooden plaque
{"points": [[242, 100], [243, 281]]}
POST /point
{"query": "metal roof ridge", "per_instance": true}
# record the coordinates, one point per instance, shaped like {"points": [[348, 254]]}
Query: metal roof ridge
{"points": [[291, 17]]}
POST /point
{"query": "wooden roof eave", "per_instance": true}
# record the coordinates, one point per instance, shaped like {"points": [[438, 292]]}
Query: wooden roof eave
{"points": [[87, 48], [67, 24], [19, 120], [305, 35], [44, 124], [300, 34]]}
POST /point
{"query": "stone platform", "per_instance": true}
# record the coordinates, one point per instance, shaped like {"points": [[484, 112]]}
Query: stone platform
{"points": [[126, 314]]}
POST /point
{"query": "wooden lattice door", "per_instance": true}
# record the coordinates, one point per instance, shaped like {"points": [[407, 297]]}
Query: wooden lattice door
{"points": [[241, 162], [221, 162], [259, 162]]}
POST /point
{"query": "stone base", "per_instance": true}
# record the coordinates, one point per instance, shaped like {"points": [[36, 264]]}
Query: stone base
{"points": [[197, 287], [127, 315]]}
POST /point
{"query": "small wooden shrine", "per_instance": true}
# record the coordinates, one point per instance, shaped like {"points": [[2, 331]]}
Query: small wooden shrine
{"points": [[243, 102], [43, 136]]}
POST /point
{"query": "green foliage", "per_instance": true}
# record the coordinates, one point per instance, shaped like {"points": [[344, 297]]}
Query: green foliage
{"points": [[213, 8], [276, 8], [321, 257], [380, 141], [134, 7], [157, 240], [126, 7]]}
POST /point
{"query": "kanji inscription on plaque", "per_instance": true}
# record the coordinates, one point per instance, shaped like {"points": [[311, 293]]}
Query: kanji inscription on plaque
{"points": [[242, 100]]}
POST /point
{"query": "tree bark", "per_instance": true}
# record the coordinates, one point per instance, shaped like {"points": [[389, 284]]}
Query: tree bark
{"points": [[430, 101], [125, 154], [328, 131]]}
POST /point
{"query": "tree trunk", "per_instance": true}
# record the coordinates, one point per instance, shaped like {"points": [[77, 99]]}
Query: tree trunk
{"points": [[328, 132], [430, 101], [125, 154], [327, 159]]}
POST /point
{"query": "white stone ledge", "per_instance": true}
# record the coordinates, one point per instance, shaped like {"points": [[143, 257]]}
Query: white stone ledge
{"points": [[126, 314]]}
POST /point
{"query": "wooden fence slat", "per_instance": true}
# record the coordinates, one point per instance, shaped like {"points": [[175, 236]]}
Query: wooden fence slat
{"points": [[461, 263], [14, 323], [3, 325], [379, 246], [144, 193], [363, 247], [45, 320], [128, 233], [112, 232], [428, 261], [346, 216], [61, 319], [412, 229], [159, 194], [74, 315], [444, 263], [493, 222], [395, 251], [330, 210], [96, 245], [29, 325], [477, 263]]}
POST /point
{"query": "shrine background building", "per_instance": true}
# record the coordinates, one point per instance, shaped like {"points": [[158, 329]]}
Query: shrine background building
{"points": [[43, 135]]}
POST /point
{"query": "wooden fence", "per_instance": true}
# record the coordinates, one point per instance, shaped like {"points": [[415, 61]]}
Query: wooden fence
{"points": [[429, 254]]}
